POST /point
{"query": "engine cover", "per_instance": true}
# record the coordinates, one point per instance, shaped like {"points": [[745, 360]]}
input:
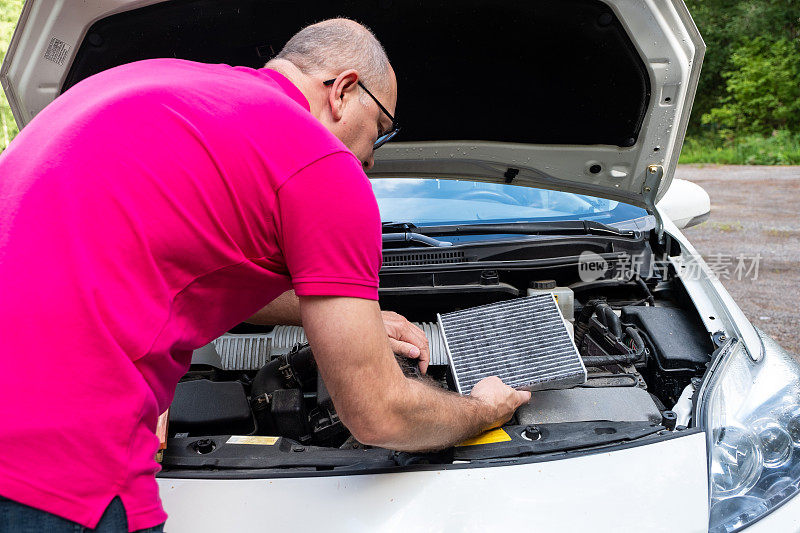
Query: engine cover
{"points": [[617, 404]]}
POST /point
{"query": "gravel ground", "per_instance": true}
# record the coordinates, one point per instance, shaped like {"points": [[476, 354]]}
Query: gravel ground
{"points": [[755, 211]]}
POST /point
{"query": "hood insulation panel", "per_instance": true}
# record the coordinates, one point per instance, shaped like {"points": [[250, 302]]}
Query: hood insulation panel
{"points": [[567, 72], [522, 341]]}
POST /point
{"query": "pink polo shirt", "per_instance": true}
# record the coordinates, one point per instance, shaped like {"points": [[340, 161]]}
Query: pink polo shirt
{"points": [[142, 214]]}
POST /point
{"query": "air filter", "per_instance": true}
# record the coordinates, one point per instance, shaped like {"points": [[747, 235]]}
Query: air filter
{"points": [[522, 341]]}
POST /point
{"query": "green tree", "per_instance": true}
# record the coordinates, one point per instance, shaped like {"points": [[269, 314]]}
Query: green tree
{"points": [[728, 25], [762, 88], [9, 13]]}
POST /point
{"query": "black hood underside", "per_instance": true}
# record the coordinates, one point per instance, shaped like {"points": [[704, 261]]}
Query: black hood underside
{"points": [[538, 72]]}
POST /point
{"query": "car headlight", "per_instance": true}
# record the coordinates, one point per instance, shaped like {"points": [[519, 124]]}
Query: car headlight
{"points": [[750, 411]]}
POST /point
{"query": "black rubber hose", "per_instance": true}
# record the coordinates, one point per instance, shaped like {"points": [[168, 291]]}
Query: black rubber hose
{"points": [[612, 321], [603, 360], [640, 282], [618, 359], [291, 371], [268, 379], [582, 323], [608, 318], [600, 314]]}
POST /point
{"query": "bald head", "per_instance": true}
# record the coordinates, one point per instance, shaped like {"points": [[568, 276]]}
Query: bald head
{"points": [[335, 45], [349, 55]]}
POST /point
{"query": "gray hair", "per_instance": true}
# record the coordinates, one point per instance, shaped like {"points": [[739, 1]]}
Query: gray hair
{"points": [[335, 45]]}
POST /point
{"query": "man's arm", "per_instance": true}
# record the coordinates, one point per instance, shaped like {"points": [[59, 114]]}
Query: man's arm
{"points": [[404, 337], [283, 310], [379, 405]]}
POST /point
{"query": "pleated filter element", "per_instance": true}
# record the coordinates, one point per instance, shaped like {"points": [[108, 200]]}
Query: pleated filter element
{"points": [[522, 341]]}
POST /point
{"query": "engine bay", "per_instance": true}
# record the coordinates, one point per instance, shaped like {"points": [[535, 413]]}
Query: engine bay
{"points": [[253, 398]]}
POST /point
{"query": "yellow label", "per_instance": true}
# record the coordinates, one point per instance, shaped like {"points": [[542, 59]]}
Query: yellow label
{"points": [[490, 437], [252, 439], [556, 297]]}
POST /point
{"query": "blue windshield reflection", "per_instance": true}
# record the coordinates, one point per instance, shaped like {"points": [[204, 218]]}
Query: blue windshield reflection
{"points": [[437, 201]]}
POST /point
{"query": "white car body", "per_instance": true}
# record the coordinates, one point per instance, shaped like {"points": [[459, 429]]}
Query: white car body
{"points": [[656, 487], [686, 204], [660, 486], [590, 493]]}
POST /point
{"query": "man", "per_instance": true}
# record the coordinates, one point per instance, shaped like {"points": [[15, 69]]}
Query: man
{"points": [[155, 205]]}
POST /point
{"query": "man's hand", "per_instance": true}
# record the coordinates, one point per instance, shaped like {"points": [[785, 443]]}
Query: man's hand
{"points": [[374, 400], [502, 398], [406, 339]]}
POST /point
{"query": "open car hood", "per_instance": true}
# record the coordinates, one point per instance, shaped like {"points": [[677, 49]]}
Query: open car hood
{"points": [[576, 95]]}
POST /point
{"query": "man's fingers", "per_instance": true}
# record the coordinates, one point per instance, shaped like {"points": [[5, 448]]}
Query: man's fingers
{"points": [[402, 332], [523, 397], [423, 363], [408, 332], [406, 349], [418, 338]]}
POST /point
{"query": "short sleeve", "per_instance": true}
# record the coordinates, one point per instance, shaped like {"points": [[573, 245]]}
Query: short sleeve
{"points": [[329, 229]]}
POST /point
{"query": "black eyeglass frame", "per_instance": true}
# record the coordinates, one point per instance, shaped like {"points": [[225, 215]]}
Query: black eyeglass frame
{"points": [[389, 135]]}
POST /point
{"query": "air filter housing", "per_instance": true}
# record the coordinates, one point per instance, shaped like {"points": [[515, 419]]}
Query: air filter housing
{"points": [[522, 341]]}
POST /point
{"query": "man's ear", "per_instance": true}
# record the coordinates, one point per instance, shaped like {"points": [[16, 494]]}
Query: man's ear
{"points": [[342, 91]]}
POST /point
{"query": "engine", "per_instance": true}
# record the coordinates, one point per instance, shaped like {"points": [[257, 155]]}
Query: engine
{"points": [[638, 357]]}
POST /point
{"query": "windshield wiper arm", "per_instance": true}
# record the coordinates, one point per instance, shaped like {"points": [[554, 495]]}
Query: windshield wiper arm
{"points": [[414, 238], [395, 227], [408, 232], [564, 227]]}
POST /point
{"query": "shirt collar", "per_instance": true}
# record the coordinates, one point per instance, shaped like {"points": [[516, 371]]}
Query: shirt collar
{"points": [[288, 87]]}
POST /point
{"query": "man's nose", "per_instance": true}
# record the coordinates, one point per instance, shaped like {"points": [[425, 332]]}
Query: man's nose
{"points": [[369, 163]]}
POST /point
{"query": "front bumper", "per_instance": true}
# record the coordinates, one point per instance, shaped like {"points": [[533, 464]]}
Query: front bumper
{"points": [[661, 486]]}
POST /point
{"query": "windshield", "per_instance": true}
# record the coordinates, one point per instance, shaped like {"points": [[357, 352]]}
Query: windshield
{"points": [[438, 201]]}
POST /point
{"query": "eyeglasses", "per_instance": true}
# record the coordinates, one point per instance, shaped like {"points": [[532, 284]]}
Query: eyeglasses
{"points": [[385, 137]]}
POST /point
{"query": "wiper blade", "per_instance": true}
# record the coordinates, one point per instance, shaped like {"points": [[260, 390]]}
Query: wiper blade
{"points": [[394, 227], [407, 232], [565, 227], [414, 238]]}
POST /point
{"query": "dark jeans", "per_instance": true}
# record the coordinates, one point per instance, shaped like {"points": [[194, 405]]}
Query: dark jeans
{"points": [[18, 518]]}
